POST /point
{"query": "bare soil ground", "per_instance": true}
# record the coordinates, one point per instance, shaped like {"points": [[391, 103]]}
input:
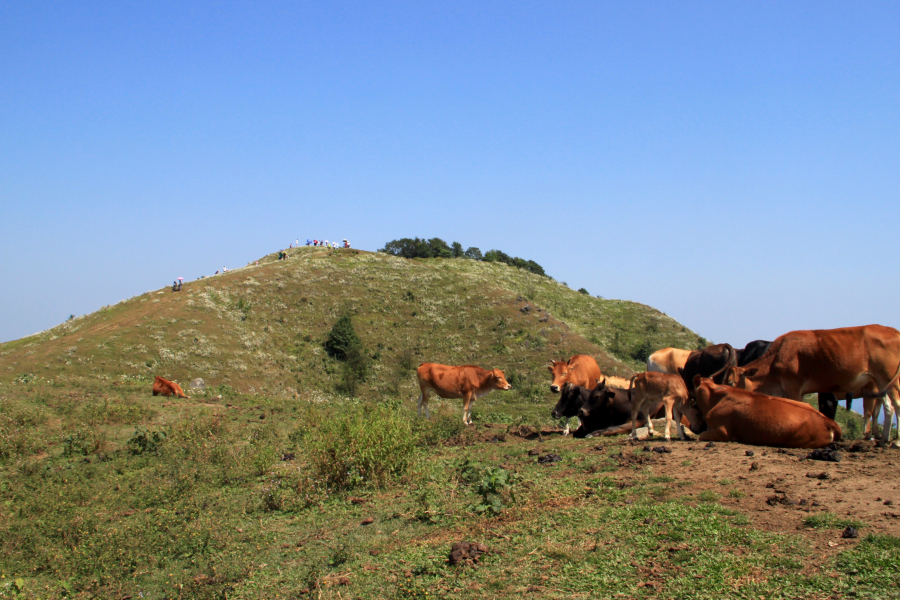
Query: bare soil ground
{"points": [[776, 489]]}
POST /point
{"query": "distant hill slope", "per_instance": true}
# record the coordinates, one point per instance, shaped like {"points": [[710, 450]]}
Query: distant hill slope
{"points": [[259, 329]]}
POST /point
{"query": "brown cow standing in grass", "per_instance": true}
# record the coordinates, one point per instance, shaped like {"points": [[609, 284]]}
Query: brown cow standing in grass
{"points": [[647, 390], [581, 370], [667, 360], [736, 415], [863, 361], [164, 387], [467, 382]]}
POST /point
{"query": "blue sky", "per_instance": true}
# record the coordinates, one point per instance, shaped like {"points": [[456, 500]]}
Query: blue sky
{"points": [[733, 164]]}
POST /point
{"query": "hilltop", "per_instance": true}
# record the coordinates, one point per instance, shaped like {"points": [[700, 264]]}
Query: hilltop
{"points": [[259, 329]]}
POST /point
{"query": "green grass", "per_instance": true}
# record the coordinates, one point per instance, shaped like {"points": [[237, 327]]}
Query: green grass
{"points": [[259, 485], [830, 521]]}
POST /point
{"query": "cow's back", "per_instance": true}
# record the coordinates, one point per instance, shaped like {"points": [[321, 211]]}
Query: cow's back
{"points": [[584, 371]]}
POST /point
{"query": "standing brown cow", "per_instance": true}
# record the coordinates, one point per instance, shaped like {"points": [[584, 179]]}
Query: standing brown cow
{"points": [[862, 361], [164, 387], [467, 382], [667, 360]]}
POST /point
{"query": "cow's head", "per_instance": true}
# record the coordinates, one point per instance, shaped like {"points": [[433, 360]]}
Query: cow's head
{"points": [[568, 404], [499, 380], [560, 371], [600, 397], [739, 377]]}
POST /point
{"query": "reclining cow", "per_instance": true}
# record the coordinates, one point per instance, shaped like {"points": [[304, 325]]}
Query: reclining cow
{"points": [[164, 387], [737, 415], [467, 382], [861, 361], [607, 410]]}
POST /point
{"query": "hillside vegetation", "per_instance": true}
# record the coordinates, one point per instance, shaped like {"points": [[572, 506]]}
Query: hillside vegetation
{"points": [[272, 483], [260, 329]]}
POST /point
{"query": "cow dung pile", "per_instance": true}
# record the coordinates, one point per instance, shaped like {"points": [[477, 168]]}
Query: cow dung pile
{"points": [[466, 553]]}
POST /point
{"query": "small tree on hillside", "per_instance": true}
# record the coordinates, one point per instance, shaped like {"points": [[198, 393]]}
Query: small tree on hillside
{"points": [[344, 344]]}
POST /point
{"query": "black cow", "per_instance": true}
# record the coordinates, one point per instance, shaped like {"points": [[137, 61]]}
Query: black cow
{"points": [[710, 362], [571, 399], [751, 352], [608, 412]]}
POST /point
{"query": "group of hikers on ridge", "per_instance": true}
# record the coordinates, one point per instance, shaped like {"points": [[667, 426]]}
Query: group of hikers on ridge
{"points": [[282, 255]]}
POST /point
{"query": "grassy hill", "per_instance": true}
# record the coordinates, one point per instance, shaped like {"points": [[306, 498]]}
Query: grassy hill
{"points": [[270, 483], [260, 329]]}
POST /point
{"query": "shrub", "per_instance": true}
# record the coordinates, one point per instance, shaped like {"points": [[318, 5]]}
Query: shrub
{"points": [[143, 440], [361, 446], [583, 291], [81, 442], [495, 487], [642, 352], [342, 338]]}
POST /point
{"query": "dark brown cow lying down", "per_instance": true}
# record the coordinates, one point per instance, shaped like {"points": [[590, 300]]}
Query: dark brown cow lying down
{"points": [[164, 387], [735, 415]]}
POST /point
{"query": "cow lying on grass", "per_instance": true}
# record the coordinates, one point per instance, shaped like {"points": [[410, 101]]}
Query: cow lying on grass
{"points": [[736, 415], [164, 387], [605, 410], [649, 390], [467, 382]]}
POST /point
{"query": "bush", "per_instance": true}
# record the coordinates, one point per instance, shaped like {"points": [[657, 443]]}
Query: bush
{"points": [[361, 446], [143, 440], [81, 442]]}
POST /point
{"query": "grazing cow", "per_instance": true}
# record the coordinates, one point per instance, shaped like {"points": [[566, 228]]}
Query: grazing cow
{"points": [[667, 360], [650, 389], [581, 370], [164, 387], [709, 362], [863, 361], [467, 382], [736, 415]]}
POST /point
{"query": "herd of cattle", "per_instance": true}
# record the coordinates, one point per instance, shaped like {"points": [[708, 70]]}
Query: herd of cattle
{"points": [[751, 395]]}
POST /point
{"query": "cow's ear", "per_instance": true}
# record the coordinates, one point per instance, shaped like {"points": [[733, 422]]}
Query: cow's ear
{"points": [[550, 368]]}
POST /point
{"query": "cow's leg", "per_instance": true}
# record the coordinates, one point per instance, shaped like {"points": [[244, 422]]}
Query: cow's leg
{"points": [[423, 403], [888, 407], [667, 402], [719, 434], [870, 416], [566, 430], [634, 416], [678, 426], [468, 399]]}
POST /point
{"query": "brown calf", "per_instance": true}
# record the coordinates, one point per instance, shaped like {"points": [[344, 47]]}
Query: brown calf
{"points": [[467, 382], [648, 389]]}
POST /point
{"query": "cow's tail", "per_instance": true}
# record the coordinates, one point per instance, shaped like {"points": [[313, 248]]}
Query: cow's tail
{"points": [[889, 385], [731, 361], [631, 386]]}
